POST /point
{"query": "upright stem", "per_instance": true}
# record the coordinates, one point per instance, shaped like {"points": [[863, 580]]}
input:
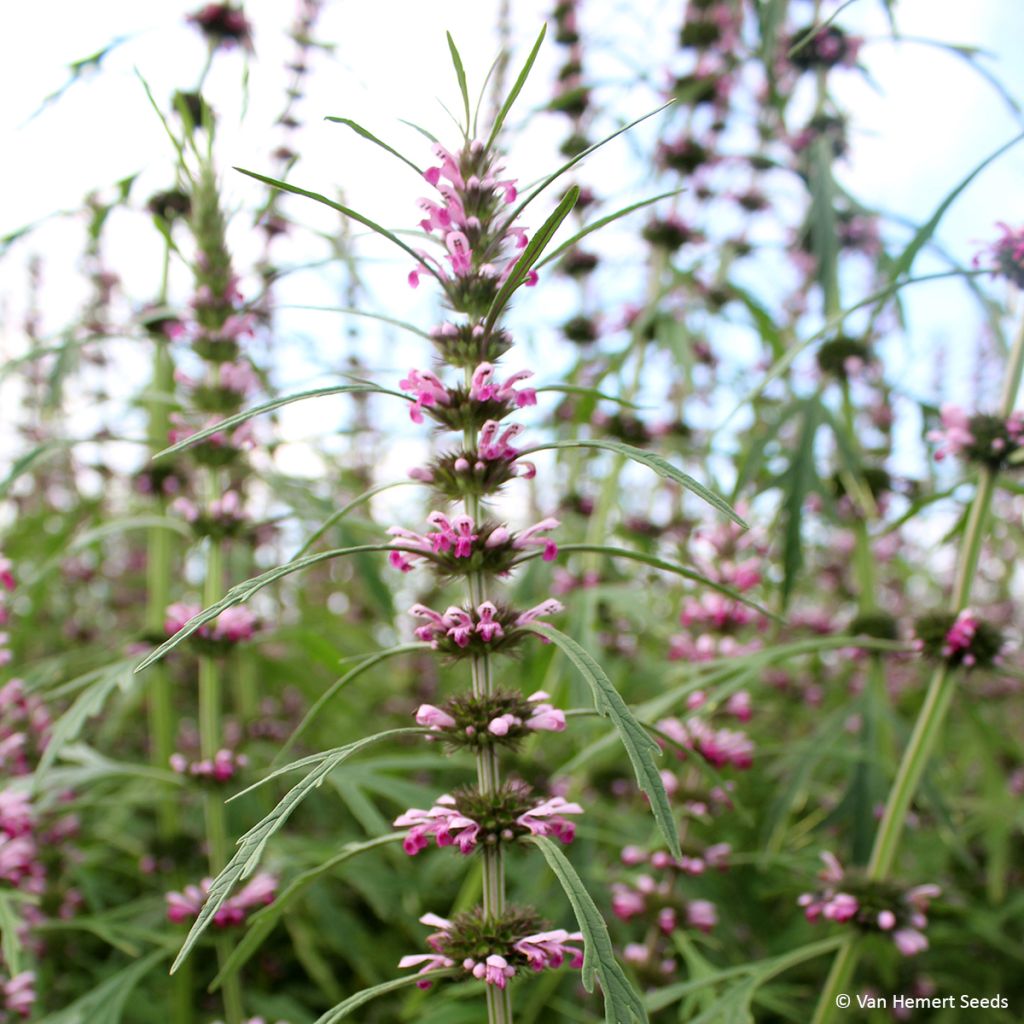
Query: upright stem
{"points": [[210, 732], [936, 703], [488, 771], [158, 593]]}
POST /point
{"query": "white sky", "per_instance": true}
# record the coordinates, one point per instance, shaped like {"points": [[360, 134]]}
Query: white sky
{"points": [[924, 124]]}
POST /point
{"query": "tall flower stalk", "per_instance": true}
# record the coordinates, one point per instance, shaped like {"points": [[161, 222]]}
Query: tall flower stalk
{"points": [[939, 697]]}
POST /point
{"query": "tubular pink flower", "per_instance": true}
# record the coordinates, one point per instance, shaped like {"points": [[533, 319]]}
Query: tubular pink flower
{"points": [[20, 994], [433, 717], [840, 908], [441, 821], [551, 949], [548, 607], [495, 970], [530, 538], [486, 626], [909, 942], [430, 961], [546, 819]]}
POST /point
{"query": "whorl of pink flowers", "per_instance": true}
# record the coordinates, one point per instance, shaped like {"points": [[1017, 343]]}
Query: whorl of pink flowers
{"points": [[186, 905], [458, 229], [457, 536], [443, 821]]}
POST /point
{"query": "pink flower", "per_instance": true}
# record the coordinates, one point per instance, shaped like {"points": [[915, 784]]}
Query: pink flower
{"points": [[530, 537], [433, 717], [551, 949], [16, 817], [627, 902], [427, 389], [909, 942], [430, 962], [495, 970], [544, 717], [20, 994], [954, 436], [546, 819], [960, 637], [840, 908], [443, 822], [701, 914]]}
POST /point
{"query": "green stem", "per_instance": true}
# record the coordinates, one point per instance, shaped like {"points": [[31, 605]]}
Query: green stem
{"points": [[488, 768], [162, 724], [210, 735], [932, 715]]}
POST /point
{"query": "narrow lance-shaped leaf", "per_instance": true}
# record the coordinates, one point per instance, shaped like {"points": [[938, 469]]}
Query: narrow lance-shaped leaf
{"points": [[530, 255], [622, 1003], [251, 845], [672, 567], [263, 922], [799, 481], [285, 186], [598, 224], [517, 87], [635, 738], [660, 466], [460, 74], [257, 410], [906, 258], [360, 130], [241, 592], [343, 1010], [365, 665]]}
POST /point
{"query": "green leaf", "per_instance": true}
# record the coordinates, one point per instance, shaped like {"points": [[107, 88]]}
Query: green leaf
{"points": [[363, 666], [360, 130], [569, 164], [530, 255], [598, 224], [105, 1003], [87, 704], [799, 481], [622, 1003], [342, 1010], [241, 592], [277, 403], [285, 186], [517, 87], [251, 845], [904, 261], [660, 466], [635, 738], [10, 943], [263, 922], [678, 570], [460, 73], [340, 514], [577, 389]]}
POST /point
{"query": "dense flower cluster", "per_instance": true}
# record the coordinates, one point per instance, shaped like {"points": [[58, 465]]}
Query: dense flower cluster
{"points": [[488, 627], [503, 717], [223, 766], [984, 438], [466, 943], [470, 817], [1005, 256], [871, 906], [961, 639]]}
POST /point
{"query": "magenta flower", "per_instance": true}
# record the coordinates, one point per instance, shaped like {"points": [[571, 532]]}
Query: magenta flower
{"points": [[909, 941], [701, 914], [433, 717], [551, 949], [443, 821], [427, 389], [495, 970], [954, 437], [430, 962], [960, 637], [20, 993], [547, 819], [16, 816], [483, 387], [841, 907]]}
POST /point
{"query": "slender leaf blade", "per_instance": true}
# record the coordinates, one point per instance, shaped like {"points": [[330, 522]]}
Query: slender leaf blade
{"points": [[660, 465], [366, 134], [517, 88], [460, 74], [622, 1003], [635, 738], [531, 254], [252, 844]]}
